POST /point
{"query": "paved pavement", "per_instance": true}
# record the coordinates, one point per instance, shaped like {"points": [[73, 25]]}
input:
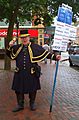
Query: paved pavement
{"points": [[66, 97]]}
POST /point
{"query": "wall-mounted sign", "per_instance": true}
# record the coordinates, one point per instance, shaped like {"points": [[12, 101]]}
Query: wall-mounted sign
{"points": [[32, 32], [3, 32]]}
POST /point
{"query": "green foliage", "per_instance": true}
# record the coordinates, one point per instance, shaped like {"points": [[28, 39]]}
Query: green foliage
{"points": [[23, 8], [27, 9]]}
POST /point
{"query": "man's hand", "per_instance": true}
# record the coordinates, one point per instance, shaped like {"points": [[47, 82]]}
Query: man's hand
{"points": [[58, 57], [11, 43]]}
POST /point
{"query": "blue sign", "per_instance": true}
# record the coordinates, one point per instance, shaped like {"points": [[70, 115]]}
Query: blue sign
{"points": [[68, 17], [64, 15], [61, 14]]}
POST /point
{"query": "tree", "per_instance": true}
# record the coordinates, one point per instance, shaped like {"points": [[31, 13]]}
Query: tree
{"points": [[11, 9]]}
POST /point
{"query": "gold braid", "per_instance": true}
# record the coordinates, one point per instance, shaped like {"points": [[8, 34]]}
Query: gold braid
{"points": [[31, 55], [13, 56]]}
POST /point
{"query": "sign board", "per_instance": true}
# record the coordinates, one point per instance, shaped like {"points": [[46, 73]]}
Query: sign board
{"points": [[60, 37], [3, 32], [33, 33], [63, 33], [64, 30], [73, 33], [65, 14]]}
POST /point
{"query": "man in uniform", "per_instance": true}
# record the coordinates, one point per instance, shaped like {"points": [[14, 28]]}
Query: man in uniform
{"points": [[26, 77]]}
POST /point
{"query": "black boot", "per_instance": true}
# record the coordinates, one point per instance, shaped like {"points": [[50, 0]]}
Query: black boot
{"points": [[32, 97], [20, 101], [32, 106]]}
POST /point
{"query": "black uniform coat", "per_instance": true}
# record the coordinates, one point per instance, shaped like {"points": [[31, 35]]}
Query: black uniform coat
{"points": [[25, 80]]}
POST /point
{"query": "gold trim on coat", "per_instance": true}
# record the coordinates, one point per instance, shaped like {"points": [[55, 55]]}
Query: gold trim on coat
{"points": [[14, 55], [34, 59]]}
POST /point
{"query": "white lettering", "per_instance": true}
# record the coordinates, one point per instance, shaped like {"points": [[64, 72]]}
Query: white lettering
{"points": [[14, 33], [3, 33]]}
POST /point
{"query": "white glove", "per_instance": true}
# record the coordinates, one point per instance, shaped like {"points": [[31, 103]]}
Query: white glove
{"points": [[12, 42]]}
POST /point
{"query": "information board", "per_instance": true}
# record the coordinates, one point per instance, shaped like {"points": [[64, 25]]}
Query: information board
{"points": [[64, 31]]}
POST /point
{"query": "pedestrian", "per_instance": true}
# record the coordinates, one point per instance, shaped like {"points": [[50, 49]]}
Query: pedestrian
{"points": [[46, 47], [26, 78]]}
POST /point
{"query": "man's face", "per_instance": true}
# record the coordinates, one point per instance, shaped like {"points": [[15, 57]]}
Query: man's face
{"points": [[25, 40]]}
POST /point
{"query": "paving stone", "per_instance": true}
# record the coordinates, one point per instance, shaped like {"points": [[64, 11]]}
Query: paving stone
{"points": [[66, 97]]}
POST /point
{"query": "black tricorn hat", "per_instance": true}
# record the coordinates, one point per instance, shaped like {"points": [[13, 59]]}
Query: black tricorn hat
{"points": [[24, 33]]}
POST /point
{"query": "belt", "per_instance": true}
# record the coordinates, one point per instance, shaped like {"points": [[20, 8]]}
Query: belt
{"points": [[30, 70]]}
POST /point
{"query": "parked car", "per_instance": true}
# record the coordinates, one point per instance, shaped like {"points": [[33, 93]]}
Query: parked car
{"points": [[71, 48], [74, 56]]}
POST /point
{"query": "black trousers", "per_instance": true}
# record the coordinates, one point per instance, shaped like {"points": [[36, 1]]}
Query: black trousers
{"points": [[32, 96], [20, 97]]}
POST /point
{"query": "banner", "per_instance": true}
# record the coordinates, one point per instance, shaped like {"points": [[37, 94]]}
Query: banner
{"points": [[64, 31]]}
